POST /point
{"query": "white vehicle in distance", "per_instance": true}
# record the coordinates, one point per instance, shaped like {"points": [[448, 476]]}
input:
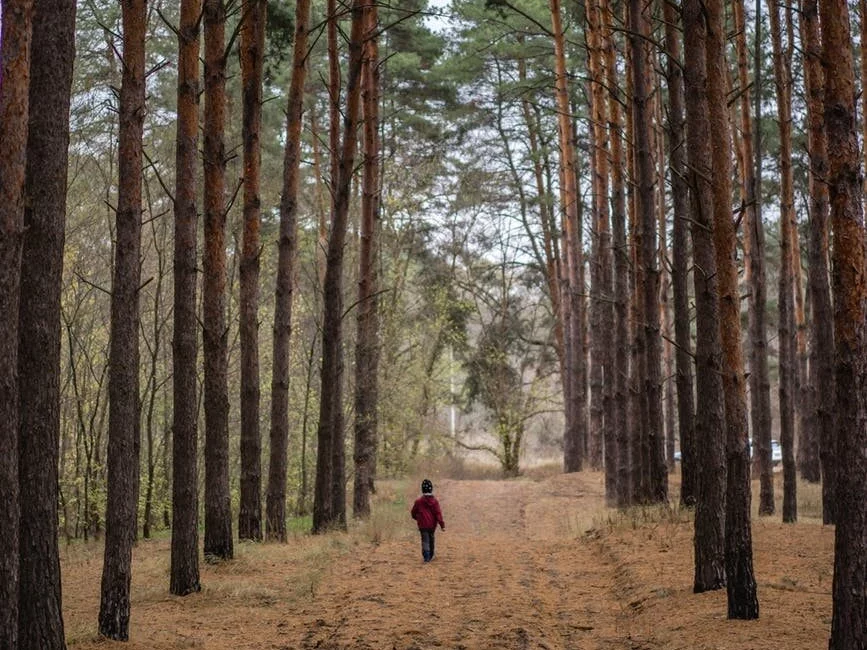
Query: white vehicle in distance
{"points": [[776, 452]]}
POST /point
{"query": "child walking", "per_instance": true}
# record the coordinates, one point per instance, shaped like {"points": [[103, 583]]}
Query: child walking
{"points": [[427, 514]]}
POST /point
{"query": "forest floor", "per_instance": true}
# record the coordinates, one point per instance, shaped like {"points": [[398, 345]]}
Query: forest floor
{"points": [[522, 564]]}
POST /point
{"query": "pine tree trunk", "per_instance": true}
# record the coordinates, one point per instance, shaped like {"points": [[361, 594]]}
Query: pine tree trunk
{"points": [[740, 581], [17, 18], [252, 54], [601, 431], [620, 281], [123, 377], [51, 72], [323, 506], [808, 449], [680, 258], [754, 255], [367, 343], [821, 379], [710, 406], [185, 482], [653, 456], [546, 219], [329, 506], [607, 258], [218, 512], [575, 434], [286, 253], [849, 618], [663, 255], [787, 342]]}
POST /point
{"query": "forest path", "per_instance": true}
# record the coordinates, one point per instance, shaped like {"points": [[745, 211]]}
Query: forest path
{"points": [[521, 565], [512, 570]]}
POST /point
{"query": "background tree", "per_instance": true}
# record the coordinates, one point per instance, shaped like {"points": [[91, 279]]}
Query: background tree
{"points": [[710, 421], [788, 348], [655, 486], [185, 497], [329, 508], [680, 254], [218, 511], [575, 433], [621, 269], [123, 378], [740, 582], [754, 267], [601, 312], [821, 366], [252, 54], [287, 248], [367, 345]]}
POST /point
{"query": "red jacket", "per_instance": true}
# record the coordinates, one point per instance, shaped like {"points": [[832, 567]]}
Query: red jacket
{"points": [[426, 512]]}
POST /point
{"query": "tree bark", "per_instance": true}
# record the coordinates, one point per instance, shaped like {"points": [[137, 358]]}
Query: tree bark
{"points": [[218, 510], [123, 375], [601, 310], [754, 255], [286, 252], [546, 220], [620, 420], [740, 581], [17, 20], [787, 342], [710, 407], [51, 70], [185, 483], [654, 456], [849, 618], [252, 55], [575, 433], [367, 342], [329, 506], [821, 380], [636, 430], [680, 257]]}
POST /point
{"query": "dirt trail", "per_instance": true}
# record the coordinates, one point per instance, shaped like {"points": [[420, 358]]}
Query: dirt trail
{"points": [[502, 578], [521, 565]]}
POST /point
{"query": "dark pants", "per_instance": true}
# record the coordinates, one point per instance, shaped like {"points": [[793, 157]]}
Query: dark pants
{"points": [[427, 543]]}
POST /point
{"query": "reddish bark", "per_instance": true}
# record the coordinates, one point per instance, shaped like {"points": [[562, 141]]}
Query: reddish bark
{"points": [[17, 19], [849, 618], [740, 581], [252, 54], [575, 434], [710, 407], [218, 512], [185, 481]]}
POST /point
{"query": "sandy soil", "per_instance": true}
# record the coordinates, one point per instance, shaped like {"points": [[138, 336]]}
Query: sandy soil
{"points": [[522, 564]]}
